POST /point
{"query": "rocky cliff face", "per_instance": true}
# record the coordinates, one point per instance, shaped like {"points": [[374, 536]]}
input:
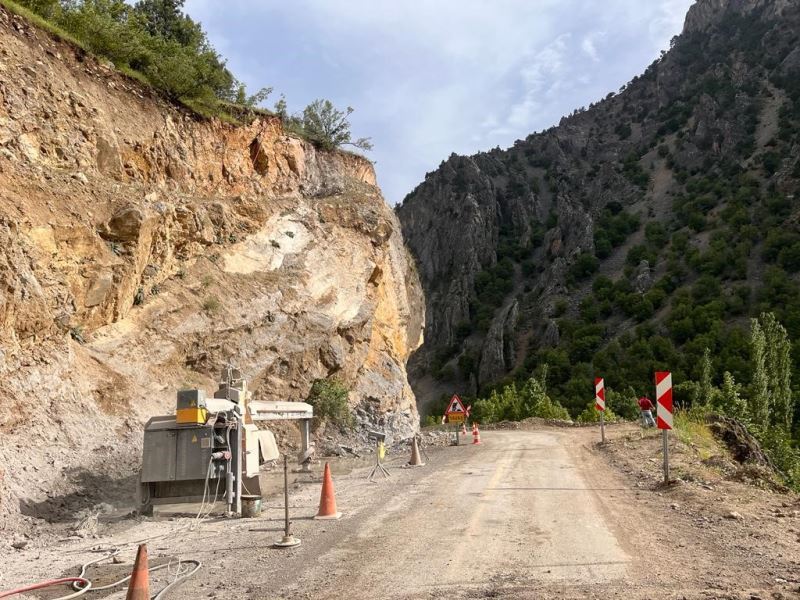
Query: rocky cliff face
{"points": [[142, 248], [707, 13], [517, 248]]}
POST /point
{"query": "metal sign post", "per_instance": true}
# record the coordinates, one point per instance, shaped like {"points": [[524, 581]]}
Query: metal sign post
{"points": [[602, 428], [664, 413], [455, 414], [288, 541], [600, 405]]}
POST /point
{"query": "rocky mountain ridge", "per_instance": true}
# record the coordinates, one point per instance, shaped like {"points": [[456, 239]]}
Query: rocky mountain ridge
{"points": [[567, 244], [141, 248]]}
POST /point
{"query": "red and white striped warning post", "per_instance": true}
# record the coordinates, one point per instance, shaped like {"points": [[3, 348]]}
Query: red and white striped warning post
{"points": [[664, 412], [600, 394], [664, 399], [600, 404]]}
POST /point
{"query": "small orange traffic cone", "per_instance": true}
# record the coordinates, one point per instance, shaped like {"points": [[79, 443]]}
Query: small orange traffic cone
{"points": [[327, 499], [464, 428], [139, 587], [415, 460], [476, 435]]}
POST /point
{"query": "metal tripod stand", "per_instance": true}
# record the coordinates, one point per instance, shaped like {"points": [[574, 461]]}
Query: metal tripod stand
{"points": [[379, 454]]}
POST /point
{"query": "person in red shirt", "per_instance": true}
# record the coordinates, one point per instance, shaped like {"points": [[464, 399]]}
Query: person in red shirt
{"points": [[646, 406]]}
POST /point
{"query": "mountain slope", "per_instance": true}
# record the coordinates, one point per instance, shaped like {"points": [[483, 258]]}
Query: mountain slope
{"points": [[633, 235]]}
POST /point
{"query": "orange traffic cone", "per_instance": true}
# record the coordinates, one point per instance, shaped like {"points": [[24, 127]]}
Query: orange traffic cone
{"points": [[327, 499], [476, 435], [415, 460], [464, 428], [139, 587]]}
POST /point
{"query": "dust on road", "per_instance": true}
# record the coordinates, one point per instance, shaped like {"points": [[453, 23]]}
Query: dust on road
{"points": [[527, 514]]}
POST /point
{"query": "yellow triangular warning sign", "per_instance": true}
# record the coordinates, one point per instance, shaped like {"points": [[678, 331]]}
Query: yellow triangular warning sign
{"points": [[455, 406]]}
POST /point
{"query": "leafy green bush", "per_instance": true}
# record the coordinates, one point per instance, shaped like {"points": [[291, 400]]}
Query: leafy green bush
{"points": [[634, 172], [656, 234], [492, 285], [586, 264], [623, 130], [329, 399], [612, 229], [590, 414], [785, 456], [513, 404], [639, 253], [431, 421], [329, 127], [625, 405]]}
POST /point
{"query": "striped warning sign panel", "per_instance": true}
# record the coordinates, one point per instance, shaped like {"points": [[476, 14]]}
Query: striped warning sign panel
{"points": [[664, 399], [599, 394]]}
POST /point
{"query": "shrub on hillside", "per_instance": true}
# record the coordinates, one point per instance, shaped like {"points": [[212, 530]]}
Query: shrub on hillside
{"points": [[329, 399], [624, 404], [329, 127], [515, 404], [153, 38], [586, 264], [590, 414]]}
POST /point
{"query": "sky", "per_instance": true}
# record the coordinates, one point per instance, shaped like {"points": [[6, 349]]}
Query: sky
{"points": [[429, 78]]}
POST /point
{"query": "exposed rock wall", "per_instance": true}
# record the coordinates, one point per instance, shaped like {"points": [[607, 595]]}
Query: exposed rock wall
{"points": [[142, 248]]}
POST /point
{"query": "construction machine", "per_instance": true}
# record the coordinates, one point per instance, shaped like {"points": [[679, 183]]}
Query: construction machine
{"points": [[211, 448]]}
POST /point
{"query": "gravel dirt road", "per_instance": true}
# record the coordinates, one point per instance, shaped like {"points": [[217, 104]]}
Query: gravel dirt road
{"points": [[527, 514]]}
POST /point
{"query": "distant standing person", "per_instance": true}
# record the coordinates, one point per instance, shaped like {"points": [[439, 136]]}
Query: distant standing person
{"points": [[646, 407]]}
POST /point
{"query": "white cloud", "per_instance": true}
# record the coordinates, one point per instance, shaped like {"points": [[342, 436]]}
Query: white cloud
{"points": [[589, 45]]}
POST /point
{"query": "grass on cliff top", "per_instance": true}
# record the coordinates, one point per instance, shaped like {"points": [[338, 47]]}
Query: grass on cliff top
{"points": [[65, 36], [227, 112], [31, 16]]}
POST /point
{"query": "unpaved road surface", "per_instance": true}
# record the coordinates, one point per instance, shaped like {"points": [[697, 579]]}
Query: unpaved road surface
{"points": [[527, 514]]}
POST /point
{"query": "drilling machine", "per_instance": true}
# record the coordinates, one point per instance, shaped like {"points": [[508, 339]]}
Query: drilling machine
{"points": [[212, 446]]}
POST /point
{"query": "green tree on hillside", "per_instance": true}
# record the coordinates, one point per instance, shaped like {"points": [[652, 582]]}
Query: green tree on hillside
{"points": [[729, 400], [779, 372], [165, 18], [706, 386], [771, 401], [758, 403], [330, 127]]}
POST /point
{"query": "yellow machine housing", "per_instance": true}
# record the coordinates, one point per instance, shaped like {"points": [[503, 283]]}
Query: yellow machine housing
{"points": [[191, 408]]}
